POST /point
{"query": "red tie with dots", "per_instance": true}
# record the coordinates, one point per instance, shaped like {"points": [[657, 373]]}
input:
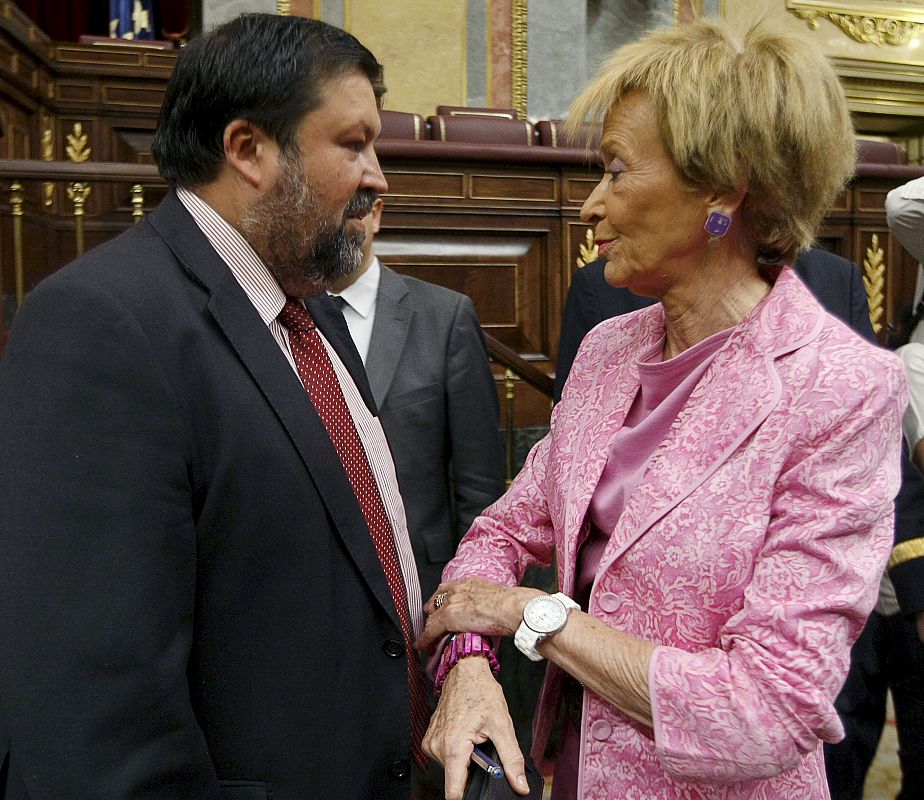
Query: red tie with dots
{"points": [[320, 380]]}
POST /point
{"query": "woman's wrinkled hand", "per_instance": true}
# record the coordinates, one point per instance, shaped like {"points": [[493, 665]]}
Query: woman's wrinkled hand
{"points": [[472, 710], [474, 605]]}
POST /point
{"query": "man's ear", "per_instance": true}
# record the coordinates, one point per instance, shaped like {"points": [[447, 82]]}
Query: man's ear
{"points": [[250, 152]]}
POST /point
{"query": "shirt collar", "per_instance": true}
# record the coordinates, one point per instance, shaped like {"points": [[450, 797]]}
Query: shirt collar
{"points": [[362, 293], [247, 267]]}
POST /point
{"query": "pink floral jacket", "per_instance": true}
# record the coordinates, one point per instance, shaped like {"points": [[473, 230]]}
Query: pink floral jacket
{"points": [[751, 550]]}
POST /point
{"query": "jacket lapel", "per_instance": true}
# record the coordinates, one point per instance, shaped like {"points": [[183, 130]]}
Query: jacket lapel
{"points": [[738, 391], [592, 423], [240, 323], [393, 313]]}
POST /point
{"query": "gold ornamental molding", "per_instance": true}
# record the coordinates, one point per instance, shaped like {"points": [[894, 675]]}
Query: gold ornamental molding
{"points": [[877, 24], [589, 250], [519, 63], [48, 154], [77, 148], [874, 269], [284, 7]]}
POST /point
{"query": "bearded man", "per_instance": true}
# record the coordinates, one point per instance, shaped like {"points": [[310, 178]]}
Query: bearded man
{"points": [[208, 586]]}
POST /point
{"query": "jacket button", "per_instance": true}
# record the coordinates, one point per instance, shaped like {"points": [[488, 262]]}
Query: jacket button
{"points": [[609, 602], [400, 769], [601, 730], [393, 648]]}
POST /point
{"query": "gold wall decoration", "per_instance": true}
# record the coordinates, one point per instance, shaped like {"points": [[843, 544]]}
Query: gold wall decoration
{"points": [[874, 270], [77, 148], [589, 251], [518, 76], [48, 154], [284, 7], [872, 44], [870, 23]]}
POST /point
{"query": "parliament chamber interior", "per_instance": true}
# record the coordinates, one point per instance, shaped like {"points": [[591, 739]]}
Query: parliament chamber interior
{"points": [[484, 190], [483, 197]]}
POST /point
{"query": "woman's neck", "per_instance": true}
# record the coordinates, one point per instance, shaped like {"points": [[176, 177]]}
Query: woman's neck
{"points": [[719, 296]]}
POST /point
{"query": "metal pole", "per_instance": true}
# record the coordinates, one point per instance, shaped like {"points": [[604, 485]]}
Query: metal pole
{"points": [[16, 208]]}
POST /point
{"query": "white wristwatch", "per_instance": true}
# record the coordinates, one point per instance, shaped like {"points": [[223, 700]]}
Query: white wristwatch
{"points": [[543, 616]]}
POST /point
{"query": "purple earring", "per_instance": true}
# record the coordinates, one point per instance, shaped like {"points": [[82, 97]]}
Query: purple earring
{"points": [[717, 224]]}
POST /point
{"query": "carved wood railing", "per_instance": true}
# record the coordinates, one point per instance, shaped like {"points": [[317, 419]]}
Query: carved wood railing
{"points": [[78, 180]]}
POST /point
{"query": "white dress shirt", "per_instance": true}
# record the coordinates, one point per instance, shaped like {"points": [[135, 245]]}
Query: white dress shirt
{"points": [[359, 306], [268, 298]]}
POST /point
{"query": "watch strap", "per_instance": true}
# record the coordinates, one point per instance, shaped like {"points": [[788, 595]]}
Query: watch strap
{"points": [[566, 601], [526, 638]]}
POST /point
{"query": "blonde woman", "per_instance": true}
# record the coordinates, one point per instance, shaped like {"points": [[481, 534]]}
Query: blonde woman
{"points": [[717, 485]]}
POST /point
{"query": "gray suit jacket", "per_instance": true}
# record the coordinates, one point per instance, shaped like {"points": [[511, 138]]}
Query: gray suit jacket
{"points": [[432, 382]]}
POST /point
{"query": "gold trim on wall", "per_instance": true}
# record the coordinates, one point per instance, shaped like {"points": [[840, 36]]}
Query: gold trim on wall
{"points": [[890, 25], [78, 149], [284, 7], [874, 271], [48, 154], [518, 72], [589, 250]]}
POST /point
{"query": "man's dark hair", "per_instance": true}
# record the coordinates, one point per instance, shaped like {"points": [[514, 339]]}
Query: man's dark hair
{"points": [[268, 69]]}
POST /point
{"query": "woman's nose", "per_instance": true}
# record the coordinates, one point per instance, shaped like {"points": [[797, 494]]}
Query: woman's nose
{"points": [[592, 210]]}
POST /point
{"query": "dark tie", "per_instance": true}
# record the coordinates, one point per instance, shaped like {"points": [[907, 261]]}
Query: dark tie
{"points": [[320, 380]]}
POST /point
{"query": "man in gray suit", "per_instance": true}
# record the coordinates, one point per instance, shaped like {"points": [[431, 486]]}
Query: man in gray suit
{"points": [[426, 360]]}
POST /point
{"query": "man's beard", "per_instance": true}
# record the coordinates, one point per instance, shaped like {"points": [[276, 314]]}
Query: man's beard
{"points": [[305, 253]]}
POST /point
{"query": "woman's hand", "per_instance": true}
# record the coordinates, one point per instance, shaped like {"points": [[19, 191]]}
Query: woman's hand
{"points": [[474, 605], [471, 710]]}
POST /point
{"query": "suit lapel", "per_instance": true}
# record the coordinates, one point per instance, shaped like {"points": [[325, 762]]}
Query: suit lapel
{"points": [[723, 409], [393, 313], [603, 399], [240, 323]]}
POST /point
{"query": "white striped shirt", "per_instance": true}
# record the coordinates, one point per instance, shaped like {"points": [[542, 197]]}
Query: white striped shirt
{"points": [[261, 287]]}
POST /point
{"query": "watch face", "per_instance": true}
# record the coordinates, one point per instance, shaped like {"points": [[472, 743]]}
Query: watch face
{"points": [[545, 615]]}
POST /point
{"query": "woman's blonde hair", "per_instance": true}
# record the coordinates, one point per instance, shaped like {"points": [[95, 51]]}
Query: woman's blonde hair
{"points": [[757, 109]]}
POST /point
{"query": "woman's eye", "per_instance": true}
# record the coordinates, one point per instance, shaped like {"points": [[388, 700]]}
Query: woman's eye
{"points": [[614, 170]]}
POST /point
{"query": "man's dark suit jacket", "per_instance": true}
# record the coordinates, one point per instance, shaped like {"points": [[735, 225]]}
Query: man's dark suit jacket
{"points": [[837, 284], [432, 382], [192, 606]]}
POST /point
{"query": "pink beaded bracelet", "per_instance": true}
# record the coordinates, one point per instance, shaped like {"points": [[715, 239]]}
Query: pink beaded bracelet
{"points": [[460, 646]]}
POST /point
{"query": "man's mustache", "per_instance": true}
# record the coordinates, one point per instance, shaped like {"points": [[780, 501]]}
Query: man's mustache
{"points": [[360, 204]]}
